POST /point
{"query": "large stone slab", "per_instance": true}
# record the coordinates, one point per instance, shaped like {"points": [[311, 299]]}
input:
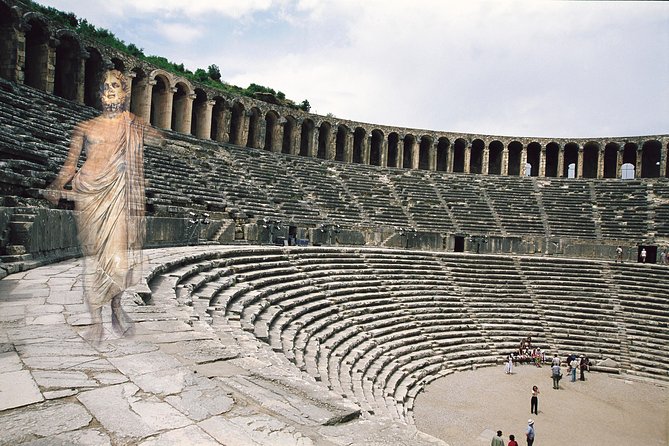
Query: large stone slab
{"points": [[18, 389], [298, 403], [10, 361], [201, 351], [41, 420], [67, 379], [140, 364], [254, 430], [83, 437], [127, 414], [187, 436], [201, 398]]}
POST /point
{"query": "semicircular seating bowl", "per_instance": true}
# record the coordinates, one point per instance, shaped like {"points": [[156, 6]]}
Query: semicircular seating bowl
{"points": [[376, 325]]}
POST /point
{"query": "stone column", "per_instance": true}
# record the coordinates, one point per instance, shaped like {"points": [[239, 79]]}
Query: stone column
{"points": [[50, 73], [505, 160], [542, 162], [81, 74], [203, 129], [184, 114], [637, 167], [432, 156], [449, 158], [663, 159], [523, 161], [143, 106], [384, 153], [485, 161], [164, 116], [468, 157], [560, 172], [366, 149], [313, 144], [348, 147], [579, 163], [619, 162], [600, 162]]}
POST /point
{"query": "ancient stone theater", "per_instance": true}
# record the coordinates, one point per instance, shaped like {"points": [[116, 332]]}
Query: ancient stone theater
{"points": [[305, 278]]}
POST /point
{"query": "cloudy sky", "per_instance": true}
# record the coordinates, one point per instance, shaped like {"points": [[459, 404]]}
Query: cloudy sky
{"points": [[527, 68]]}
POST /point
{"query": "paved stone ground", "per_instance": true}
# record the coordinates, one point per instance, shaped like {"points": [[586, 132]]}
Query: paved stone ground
{"points": [[468, 408], [176, 381]]}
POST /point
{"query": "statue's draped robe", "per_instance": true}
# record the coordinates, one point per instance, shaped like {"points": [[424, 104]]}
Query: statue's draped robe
{"points": [[110, 214]]}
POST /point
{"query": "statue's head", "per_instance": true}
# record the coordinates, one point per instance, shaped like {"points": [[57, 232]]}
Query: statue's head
{"points": [[114, 91]]}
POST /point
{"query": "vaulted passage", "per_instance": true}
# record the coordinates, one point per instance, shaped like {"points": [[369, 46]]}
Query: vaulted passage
{"points": [[289, 130], [237, 124], [306, 137], [476, 160], [271, 131], [424, 153], [92, 73], [393, 149], [495, 155], [68, 63], [650, 159], [161, 103], [515, 154], [359, 140], [407, 157], [36, 55], [590, 160], [254, 128], [552, 159], [340, 143], [376, 148], [459, 148], [442, 154]]}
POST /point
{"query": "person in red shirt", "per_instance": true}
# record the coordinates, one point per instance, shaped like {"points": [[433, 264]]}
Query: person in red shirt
{"points": [[512, 441]]}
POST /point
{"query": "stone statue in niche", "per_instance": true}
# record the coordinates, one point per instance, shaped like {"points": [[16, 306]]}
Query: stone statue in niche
{"points": [[108, 192]]}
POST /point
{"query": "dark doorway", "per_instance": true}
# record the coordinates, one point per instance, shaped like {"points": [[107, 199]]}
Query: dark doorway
{"points": [[292, 235], [459, 243], [651, 254]]}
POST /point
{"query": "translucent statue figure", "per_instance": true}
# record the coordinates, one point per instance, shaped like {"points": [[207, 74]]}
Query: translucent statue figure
{"points": [[108, 192]]}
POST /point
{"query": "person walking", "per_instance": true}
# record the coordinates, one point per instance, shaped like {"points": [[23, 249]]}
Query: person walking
{"points": [[619, 254], [497, 440], [534, 401], [530, 432], [574, 364], [556, 374], [643, 255]]}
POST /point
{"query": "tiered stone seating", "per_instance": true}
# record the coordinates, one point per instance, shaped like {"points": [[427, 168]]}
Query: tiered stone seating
{"points": [[568, 206], [269, 169], [498, 299], [623, 207], [371, 189], [644, 311], [325, 191], [514, 202], [422, 201], [661, 191], [463, 195], [576, 301]]}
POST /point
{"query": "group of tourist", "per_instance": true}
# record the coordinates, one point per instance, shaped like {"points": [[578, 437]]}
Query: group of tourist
{"points": [[525, 355], [643, 255], [498, 440]]}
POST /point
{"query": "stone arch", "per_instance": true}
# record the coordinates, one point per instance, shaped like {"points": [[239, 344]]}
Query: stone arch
{"points": [[459, 149], [630, 151], [590, 159], [341, 142], [7, 42], [495, 157], [181, 107], [288, 135], [424, 152], [198, 119], [443, 146], [552, 159], [515, 155], [36, 60], [307, 131], [359, 139], [68, 65], [324, 137], [476, 156], [651, 152], [376, 148], [219, 124], [271, 131], [237, 123], [409, 141], [252, 139], [570, 157], [611, 160], [93, 69], [534, 158], [393, 149], [118, 64], [161, 101], [138, 95]]}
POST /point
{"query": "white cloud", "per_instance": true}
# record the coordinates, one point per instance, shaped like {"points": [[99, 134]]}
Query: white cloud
{"points": [[535, 68]]}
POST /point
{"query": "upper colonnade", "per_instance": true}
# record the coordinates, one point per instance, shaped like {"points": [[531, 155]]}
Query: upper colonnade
{"points": [[58, 61]]}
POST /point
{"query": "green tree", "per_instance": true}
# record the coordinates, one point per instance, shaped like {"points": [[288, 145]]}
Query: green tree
{"points": [[214, 73], [305, 106]]}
